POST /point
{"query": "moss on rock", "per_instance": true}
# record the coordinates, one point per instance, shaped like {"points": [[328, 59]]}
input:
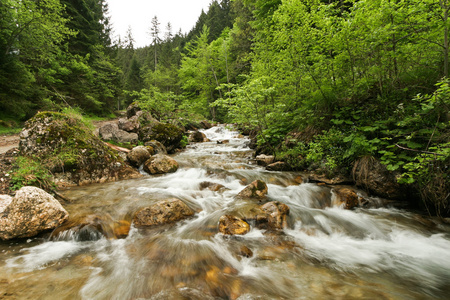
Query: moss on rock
{"points": [[167, 134], [66, 146]]}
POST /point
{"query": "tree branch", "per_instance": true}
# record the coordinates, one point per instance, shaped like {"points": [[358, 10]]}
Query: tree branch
{"points": [[420, 151]]}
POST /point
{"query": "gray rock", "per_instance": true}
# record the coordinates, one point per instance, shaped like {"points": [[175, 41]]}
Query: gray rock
{"points": [[123, 137], [111, 132], [30, 212], [108, 131], [138, 155], [129, 125]]}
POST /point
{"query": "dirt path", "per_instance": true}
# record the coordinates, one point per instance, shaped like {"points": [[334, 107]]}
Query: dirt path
{"points": [[8, 142]]}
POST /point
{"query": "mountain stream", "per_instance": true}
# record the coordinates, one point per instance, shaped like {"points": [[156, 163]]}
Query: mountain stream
{"points": [[326, 252]]}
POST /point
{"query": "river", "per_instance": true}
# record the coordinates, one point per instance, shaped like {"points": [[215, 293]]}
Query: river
{"points": [[325, 252]]}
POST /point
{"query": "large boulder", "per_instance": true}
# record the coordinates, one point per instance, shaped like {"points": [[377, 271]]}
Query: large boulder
{"points": [[108, 131], [231, 225], [197, 137], [65, 146], [111, 132], [132, 109], [30, 212], [167, 134], [373, 176], [129, 125], [157, 147], [160, 164], [255, 190], [162, 212], [138, 155], [124, 137]]}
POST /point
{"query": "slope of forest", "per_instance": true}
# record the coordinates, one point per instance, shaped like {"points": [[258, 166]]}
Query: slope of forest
{"points": [[329, 86]]}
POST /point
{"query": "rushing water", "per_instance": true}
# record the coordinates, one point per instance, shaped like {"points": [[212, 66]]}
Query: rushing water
{"points": [[325, 253]]}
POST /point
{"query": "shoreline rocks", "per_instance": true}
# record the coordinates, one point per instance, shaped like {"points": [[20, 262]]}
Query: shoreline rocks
{"points": [[31, 211]]}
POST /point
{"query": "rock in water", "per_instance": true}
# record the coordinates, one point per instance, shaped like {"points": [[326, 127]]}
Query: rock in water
{"points": [[348, 197], [197, 137], [162, 212], [157, 147], [278, 166], [231, 225], [160, 164], [138, 155], [264, 160], [167, 134], [30, 212], [276, 213], [256, 190]]}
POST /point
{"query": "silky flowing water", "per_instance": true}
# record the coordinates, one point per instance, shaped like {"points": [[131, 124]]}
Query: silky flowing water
{"points": [[326, 252]]}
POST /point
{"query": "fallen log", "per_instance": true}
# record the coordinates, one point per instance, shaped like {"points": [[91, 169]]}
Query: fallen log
{"points": [[121, 149]]}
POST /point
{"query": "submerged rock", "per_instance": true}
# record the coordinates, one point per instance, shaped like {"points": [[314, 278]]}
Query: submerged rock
{"points": [[30, 212], [215, 187], [256, 190], [160, 164], [138, 155], [162, 212], [231, 225]]}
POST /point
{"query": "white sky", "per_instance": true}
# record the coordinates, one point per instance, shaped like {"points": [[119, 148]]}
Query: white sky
{"points": [[139, 13]]}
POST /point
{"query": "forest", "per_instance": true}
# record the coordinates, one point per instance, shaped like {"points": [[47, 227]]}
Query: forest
{"points": [[324, 85]]}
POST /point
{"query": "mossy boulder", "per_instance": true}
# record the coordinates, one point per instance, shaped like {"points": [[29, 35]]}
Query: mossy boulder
{"points": [[67, 147], [167, 134]]}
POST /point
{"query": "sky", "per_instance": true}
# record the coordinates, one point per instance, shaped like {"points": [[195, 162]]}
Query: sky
{"points": [[182, 14]]}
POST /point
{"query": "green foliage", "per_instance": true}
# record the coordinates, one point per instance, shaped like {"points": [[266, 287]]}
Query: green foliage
{"points": [[29, 171], [184, 141]]}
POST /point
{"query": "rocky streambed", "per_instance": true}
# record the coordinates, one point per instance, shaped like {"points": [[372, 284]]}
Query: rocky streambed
{"points": [[220, 227]]}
